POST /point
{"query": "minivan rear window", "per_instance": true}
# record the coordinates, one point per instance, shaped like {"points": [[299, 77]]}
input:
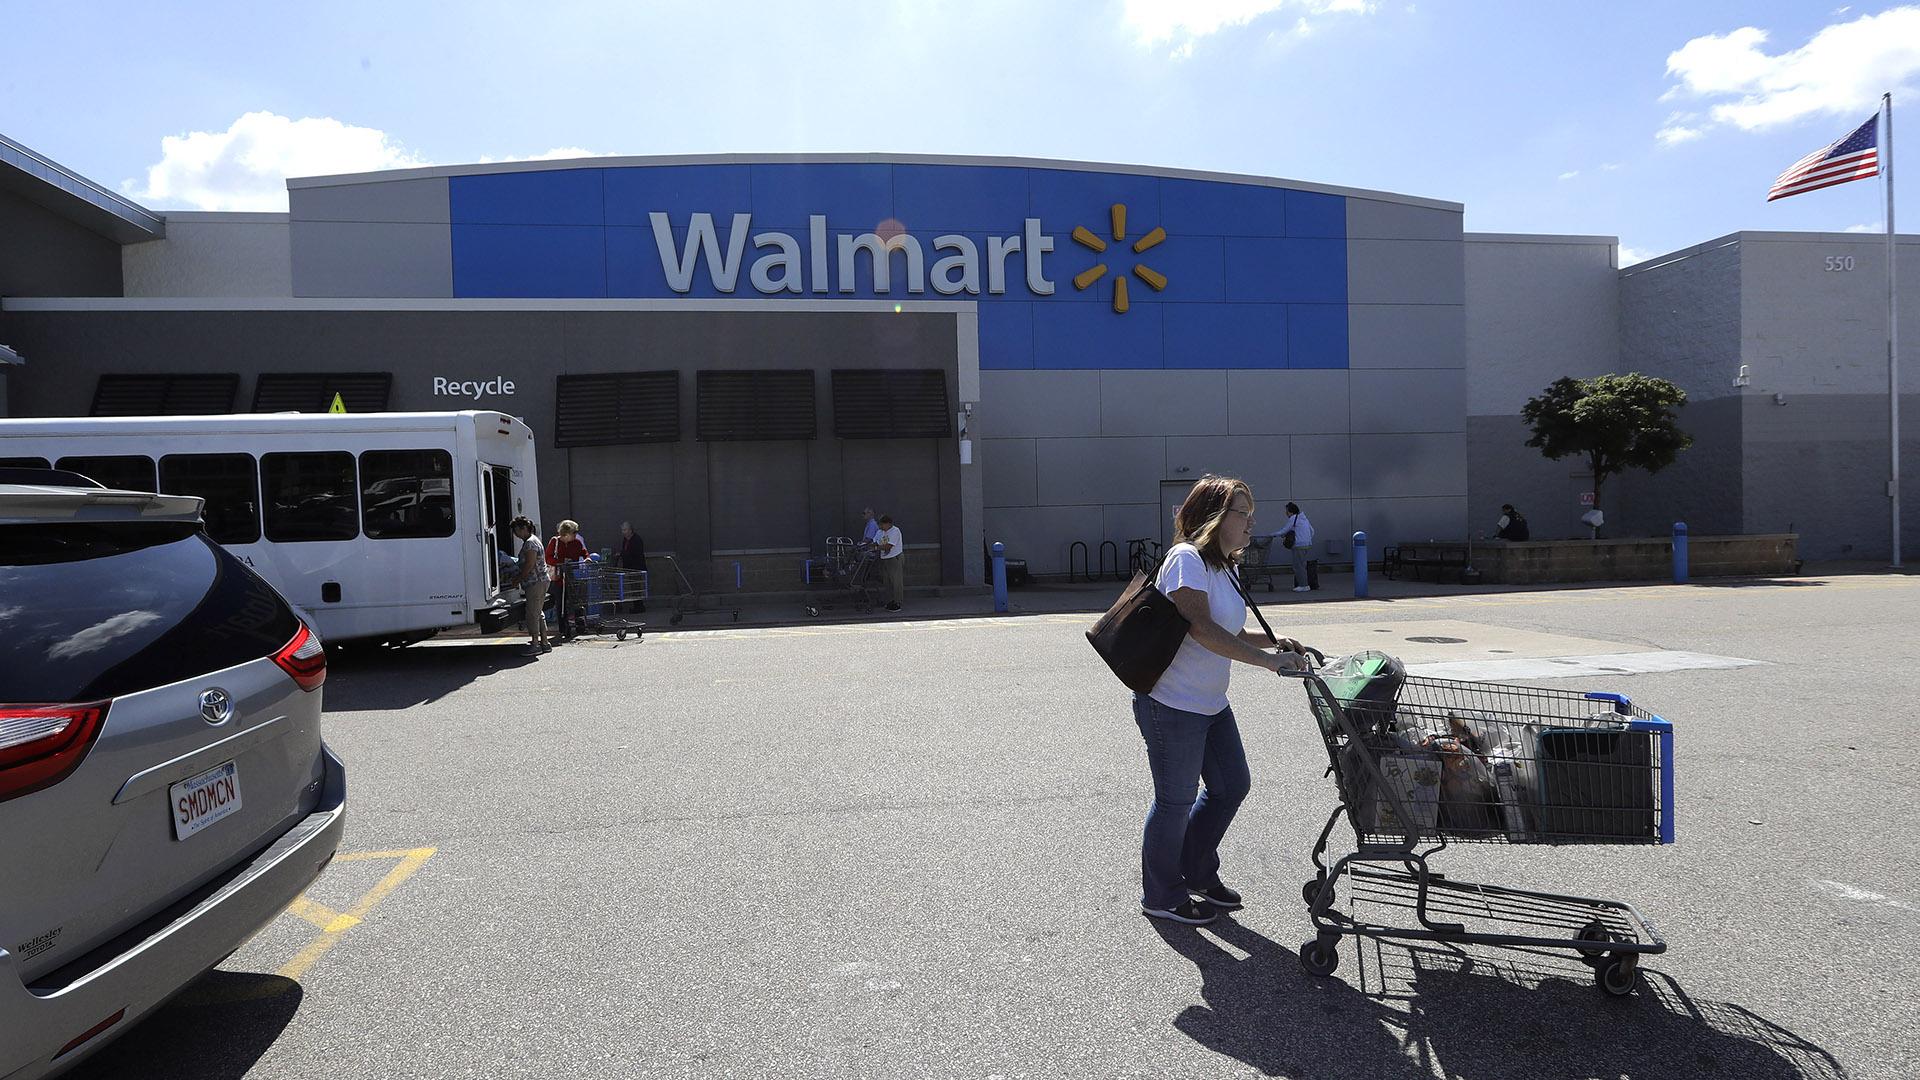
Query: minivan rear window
{"points": [[92, 610]]}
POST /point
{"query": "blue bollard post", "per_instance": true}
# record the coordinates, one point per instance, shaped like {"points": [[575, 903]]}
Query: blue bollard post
{"points": [[1360, 566], [999, 576], [736, 577], [1679, 553]]}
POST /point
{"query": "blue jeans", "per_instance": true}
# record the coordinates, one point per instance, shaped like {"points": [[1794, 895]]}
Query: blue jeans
{"points": [[1181, 846]]}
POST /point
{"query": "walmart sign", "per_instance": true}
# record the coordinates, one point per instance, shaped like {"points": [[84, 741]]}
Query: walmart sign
{"points": [[1067, 267]]}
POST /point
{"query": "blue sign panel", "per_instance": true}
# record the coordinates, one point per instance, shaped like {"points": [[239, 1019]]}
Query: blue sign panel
{"points": [[1071, 269]]}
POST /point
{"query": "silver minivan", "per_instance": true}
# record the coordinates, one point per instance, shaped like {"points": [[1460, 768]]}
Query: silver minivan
{"points": [[164, 791]]}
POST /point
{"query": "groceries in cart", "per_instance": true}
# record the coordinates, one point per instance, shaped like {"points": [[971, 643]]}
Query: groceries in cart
{"points": [[1470, 774], [1423, 763]]}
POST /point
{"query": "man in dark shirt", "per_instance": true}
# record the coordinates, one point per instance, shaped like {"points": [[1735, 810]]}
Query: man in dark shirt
{"points": [[633, 557]]}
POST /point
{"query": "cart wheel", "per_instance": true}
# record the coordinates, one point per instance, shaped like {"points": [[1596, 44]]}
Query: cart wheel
{"points": [[1618, 975], [1320, 956], [619, 635], [736, 616], [1310, 892], [813, 612], [675, 620], [1593, 931]]}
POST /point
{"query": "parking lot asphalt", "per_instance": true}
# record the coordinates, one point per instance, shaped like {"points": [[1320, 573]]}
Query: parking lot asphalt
{"points": [[911, 849]]}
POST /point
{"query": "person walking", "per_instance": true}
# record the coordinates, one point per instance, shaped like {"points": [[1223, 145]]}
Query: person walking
{"points": [[530, 576], [893, 561], [1297, 535], [871, 529], [632, 556], [1186, 722], [564, 550]]}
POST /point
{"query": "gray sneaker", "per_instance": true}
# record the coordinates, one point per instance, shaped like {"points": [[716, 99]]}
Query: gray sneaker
{"points": [[1190, 912]]}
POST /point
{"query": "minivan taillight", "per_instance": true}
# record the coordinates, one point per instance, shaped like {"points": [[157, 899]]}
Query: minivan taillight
{"points": [[40, 745], [304, 658]]}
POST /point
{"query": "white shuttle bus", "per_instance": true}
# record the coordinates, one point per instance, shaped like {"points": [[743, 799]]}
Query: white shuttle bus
{"points": [[382, 526]]}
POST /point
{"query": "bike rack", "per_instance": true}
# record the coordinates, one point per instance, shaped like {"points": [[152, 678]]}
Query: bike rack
{"points": [[1105, 545], [1081, 546]]}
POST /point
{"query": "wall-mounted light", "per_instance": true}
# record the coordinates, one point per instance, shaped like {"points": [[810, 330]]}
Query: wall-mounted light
{"points": [[1742, 378], [1779, 399]]}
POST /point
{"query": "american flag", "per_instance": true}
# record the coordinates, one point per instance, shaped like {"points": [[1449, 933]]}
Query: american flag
{"points": [[1855, 157]]}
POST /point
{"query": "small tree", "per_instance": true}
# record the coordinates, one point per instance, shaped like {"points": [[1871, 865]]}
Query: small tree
{"points": [[1616, 422]]}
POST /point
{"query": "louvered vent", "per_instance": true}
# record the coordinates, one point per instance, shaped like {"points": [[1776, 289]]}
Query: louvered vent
{"points": [[620, 407], [360, 392], [756, 406], [164, 395], [897, 404]]}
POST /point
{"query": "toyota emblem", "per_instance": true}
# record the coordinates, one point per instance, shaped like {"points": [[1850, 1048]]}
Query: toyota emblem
{"points": [[216, 706]]}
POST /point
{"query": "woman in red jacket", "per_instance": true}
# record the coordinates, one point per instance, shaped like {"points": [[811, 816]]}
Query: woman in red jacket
{"points": [[562, 552]]}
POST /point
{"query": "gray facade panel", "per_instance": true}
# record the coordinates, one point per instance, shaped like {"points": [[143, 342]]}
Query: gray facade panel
{"points": [[1405, 272], [1701, 488], [1534, 312], [1012, 478], [1406, 336], [343, 258], [1502, 468], [1287, 402], [1016, 404], [1408, 401], [1042, 534], [1399, 466], [1396, 521], [1322, 467], [1263, 461], [212, 258], [411, 201], [1082, 471], [1124, 523], [44, 254], [1163, 402], [1375, 220]]}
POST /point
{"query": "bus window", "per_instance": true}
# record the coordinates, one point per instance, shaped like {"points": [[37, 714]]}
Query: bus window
{"points": [[231, 485], [406, 493], [127, 472], [309, 497], [24, 463]]}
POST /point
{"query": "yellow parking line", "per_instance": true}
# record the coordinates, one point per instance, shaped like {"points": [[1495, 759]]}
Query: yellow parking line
{"points": [[320, 915], [410, 861]]}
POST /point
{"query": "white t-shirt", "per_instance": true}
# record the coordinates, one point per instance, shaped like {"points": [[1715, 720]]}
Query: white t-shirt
{"points": [[1302, 530], [889, 536], [1196, 681]]}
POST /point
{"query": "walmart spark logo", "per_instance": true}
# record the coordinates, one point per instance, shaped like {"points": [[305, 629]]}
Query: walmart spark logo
{"points": [[1086, 238]]}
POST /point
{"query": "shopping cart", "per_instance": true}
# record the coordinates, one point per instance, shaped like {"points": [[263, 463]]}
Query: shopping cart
{"points": [[1432, 762], [686, 600], [847, 567], [596, 593]]}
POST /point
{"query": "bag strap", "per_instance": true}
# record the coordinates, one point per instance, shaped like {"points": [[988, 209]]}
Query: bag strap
{"points": [[1242, 590]]}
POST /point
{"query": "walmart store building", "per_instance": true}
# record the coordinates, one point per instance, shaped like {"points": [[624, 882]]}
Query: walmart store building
{"points": [[739, 353]]}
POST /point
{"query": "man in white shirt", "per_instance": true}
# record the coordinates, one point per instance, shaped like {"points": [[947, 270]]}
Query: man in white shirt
{"points": [[1302, 531], [893, 561]]}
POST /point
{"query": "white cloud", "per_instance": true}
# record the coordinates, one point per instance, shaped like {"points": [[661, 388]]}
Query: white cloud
{"points": [[1840, 71], [1631, 255], [558, 153], [246, 166], [1181, 23], [1878, 226], [1612, 166], [101, 634], [1570, 174], [1675, 134]]}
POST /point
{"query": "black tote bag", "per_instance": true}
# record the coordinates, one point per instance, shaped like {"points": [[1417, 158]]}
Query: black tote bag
{"points": [[1139, 634]]}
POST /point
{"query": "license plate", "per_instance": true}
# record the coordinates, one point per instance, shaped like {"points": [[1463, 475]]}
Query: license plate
{"points": [[199, 801]]}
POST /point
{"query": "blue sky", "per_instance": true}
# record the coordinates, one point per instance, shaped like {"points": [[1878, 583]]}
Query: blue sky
{"points": [[1661, 123]]}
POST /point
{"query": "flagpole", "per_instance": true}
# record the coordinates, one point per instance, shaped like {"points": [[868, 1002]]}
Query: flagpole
{"points": [[1893, 330]]}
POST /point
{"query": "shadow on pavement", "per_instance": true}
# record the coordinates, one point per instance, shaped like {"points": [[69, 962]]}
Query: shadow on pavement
{"points": [[378, 679], [216, 1030], [1424, 1011]]}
